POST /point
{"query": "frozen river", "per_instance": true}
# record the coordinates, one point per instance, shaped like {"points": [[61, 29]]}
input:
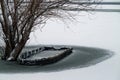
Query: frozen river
{"points": [[101, 30]]}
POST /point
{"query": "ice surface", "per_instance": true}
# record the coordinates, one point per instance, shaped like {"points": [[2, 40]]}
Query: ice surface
{"points": [[80, 58], [100, 30]]}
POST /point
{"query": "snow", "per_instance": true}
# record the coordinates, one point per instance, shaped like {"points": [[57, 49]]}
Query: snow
{"points": [[99, 30], [10, 58], [45, 54]]}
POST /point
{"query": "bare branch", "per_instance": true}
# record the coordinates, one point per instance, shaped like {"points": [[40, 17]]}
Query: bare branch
{"points": [[19, 17]]}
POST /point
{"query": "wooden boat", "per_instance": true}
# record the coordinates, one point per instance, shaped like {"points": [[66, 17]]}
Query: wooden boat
{"points": [[43, 55]]}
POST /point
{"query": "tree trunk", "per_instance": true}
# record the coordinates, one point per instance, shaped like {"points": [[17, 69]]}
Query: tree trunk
{"points": [[7, 51], [15, 53], [18, 48]]}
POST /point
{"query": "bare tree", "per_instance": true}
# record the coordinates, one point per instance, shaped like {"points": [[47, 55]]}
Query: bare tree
{"points": [[19, 17]]}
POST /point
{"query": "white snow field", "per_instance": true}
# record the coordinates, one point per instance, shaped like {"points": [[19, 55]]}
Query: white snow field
{"points": [[101, 30]]}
